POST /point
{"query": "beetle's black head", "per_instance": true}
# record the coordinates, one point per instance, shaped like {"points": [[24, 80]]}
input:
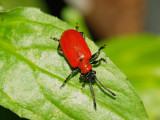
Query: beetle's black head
{"points": [[91, 75]]}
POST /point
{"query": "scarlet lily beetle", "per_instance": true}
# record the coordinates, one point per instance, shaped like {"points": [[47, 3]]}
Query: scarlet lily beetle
{"points": [[73, 46]]}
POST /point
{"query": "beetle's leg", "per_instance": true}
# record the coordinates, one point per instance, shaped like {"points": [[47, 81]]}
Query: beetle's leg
{"points": [[59, 49], [82, 77], [95, 55], [77, 27], [83, 85], [73, 72], [83, 35], [56, 39], [98, 61]]}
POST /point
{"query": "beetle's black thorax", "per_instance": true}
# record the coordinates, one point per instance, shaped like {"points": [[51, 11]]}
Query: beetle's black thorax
{"points": [[91, 75]]}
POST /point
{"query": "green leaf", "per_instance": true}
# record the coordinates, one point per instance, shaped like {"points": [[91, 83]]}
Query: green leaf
{"points": [[138, 57], [31, 73]]}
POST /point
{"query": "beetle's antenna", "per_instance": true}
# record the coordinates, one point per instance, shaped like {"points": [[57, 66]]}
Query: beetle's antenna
{"points": [[92, 93], [105, 88]]}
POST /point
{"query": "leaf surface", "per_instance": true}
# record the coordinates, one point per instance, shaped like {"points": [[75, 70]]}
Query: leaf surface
{"points": [[31, 73]]}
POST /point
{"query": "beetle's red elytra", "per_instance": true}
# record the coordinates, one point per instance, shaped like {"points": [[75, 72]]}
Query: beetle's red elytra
{"points": [[75, 50], [73, 46]]}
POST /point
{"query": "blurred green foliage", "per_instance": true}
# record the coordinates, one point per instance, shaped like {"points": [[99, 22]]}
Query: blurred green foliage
{"points": [[10, 4]]}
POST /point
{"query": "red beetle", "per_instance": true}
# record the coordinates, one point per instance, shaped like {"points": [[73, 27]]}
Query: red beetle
{"points": [[75, 49]]}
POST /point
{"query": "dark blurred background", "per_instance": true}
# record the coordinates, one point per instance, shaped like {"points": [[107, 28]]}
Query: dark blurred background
{"points": [[130, 28], [104, 18]]}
